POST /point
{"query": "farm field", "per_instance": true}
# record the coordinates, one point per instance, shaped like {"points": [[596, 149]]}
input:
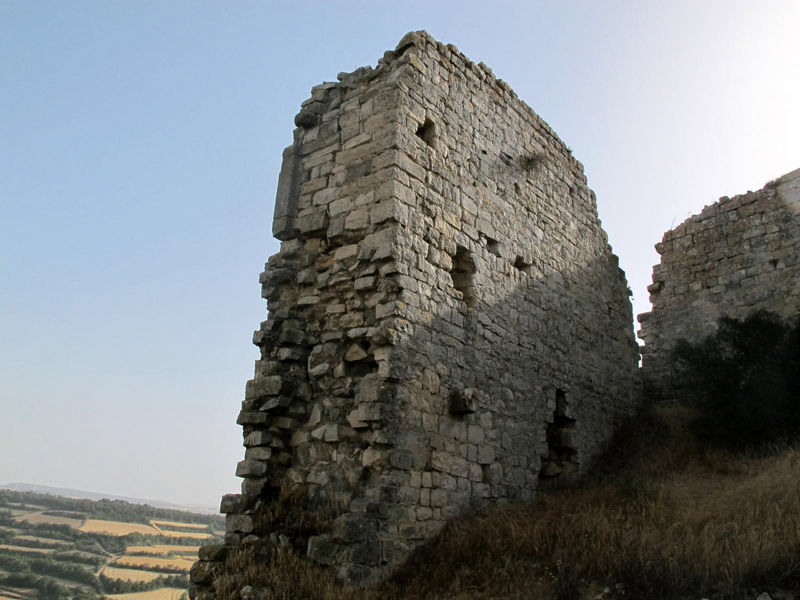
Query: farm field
{"points": [[134, 575], [186, 535], [58, 547], [162, 594], [155, 562], [177, 525], [116, 528], [38, 517], [164, 550]]}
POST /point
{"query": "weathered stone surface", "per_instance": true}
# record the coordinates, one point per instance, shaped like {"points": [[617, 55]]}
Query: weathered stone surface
{"points": [[444, 296], [230, 503], [737, 256], [322, 549], [238, 523], [213, 552]]}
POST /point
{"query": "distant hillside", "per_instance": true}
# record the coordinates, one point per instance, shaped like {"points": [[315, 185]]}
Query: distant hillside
{"points": [[67, 547], [72, 493]]}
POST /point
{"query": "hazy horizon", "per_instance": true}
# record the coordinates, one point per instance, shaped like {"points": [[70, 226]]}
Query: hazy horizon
{"points": [[141, 148]]}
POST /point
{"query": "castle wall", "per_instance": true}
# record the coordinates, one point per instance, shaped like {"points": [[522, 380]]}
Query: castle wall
{"points": [[447, 324], [739, 255]]}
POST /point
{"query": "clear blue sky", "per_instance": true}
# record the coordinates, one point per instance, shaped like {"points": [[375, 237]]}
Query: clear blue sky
{"points": [[140, 143]]}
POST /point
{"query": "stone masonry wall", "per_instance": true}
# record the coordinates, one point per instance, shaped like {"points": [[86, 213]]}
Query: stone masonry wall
{"points": [[739, 255], [447, 323]]}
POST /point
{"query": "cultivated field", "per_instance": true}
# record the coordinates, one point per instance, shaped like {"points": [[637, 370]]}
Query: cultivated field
{"points": [[133, 575], [177, 525], [185, 534], [154, 562], [162, 594], [95, 549], [116, 527], [164, 550]]}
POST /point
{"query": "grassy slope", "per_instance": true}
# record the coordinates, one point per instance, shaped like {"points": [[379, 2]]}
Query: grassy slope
{"points": [[662, 518]]}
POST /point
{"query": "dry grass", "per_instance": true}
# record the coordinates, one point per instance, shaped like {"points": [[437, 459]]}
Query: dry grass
{"points": [[130, 574], [154, 562], [280, 573], [116, 527], [664, 519], [177, 525], [184, 534], [193, 550], [159, 594], [163, 550]]}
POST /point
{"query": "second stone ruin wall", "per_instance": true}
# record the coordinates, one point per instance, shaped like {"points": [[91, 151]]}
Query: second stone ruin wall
{"points": [[447, 323], [739, 255]]}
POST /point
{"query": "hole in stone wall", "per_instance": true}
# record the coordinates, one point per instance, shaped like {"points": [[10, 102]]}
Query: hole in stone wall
{"points": [[461, 402], [427, 131], [361, 368], [359, 361], [493, 246], [522, 265], [462, 272], [561, 451]]}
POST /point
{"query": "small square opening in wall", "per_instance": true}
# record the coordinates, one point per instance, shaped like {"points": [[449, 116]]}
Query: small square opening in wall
{"points": [[427, 131], [492, 245], [522, 265], [462, 272]]}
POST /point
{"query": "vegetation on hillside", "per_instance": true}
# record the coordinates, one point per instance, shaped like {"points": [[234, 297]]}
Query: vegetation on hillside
{"points": [[744, 381], [48, 551], [111, 510]]}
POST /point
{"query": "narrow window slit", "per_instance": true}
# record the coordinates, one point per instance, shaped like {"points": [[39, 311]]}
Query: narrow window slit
{"points": [[427, 132], [561, 460], [462, 272]]}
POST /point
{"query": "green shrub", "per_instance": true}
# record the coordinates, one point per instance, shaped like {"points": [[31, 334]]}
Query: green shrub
{"points": [[744, 380]]}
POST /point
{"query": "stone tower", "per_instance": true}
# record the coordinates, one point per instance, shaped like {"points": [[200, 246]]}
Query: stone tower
{"points": [[447, 323]]}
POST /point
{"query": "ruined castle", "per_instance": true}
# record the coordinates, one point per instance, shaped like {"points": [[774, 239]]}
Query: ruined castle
{"points": [[737, 256], [447, 326]]}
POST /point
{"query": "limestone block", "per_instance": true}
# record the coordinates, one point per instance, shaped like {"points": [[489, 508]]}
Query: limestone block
{"points": [[369, 412], [251, 468], [354, 421], [357, 219], [351, 528], [486, 454], [251, 417], [345, 252], [230, 503], [258, 453], [331, 433], [298, 438], [238, 523], [355, 353]]}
